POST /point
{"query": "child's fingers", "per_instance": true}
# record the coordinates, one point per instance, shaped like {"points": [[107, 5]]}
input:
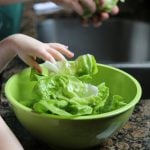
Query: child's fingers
{"points": [[62, 49], [56, 54], [44, 54], [31, 62]]}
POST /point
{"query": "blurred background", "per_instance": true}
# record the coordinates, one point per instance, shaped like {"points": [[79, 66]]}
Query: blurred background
{"points": [[131, 9]]}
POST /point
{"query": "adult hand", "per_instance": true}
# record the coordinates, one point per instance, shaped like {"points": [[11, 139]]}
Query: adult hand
{"points": [[79, 5], [99, 17]]}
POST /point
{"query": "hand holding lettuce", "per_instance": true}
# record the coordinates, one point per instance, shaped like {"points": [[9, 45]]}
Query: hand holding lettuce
{"points": [[106, 7], [66, 91]]}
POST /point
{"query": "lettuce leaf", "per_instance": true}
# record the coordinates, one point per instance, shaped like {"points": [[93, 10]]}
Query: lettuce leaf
{"points": [[62, 89], [107, 7]]}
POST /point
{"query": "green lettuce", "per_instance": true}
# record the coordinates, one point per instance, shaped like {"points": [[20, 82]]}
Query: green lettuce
{"points": [[63, 89], [107, 7]]}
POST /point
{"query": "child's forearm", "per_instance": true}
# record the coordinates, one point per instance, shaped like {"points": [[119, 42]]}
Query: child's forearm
{"points": [[7, 52], [8, 140]]}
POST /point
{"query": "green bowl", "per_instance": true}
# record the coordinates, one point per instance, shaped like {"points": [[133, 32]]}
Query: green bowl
{"points": [[83, 131]]}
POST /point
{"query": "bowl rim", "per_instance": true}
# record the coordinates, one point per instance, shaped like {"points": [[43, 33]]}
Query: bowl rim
{"points": [[130, 105]]}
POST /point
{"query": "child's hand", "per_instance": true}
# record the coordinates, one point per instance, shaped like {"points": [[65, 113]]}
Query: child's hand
{"points": [[29, 48]]}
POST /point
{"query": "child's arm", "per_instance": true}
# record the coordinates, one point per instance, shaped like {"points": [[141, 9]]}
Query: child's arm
{"points": [[6, 54], [28, 49], [7, 139]]}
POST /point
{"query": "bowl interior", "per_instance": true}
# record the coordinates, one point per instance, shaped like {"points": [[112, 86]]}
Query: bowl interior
{"points": [[19, 87]]}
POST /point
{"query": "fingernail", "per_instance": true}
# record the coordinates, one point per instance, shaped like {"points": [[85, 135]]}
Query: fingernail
{"points": [[72, 53], [67, 46], [39, 70], [52, 60]]}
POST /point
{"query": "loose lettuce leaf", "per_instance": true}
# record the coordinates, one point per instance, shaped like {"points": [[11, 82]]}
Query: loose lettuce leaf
{"points": [[108, 5], [51, 106], [66, 92], [85, 65], [117, 102], [101, 98]]}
